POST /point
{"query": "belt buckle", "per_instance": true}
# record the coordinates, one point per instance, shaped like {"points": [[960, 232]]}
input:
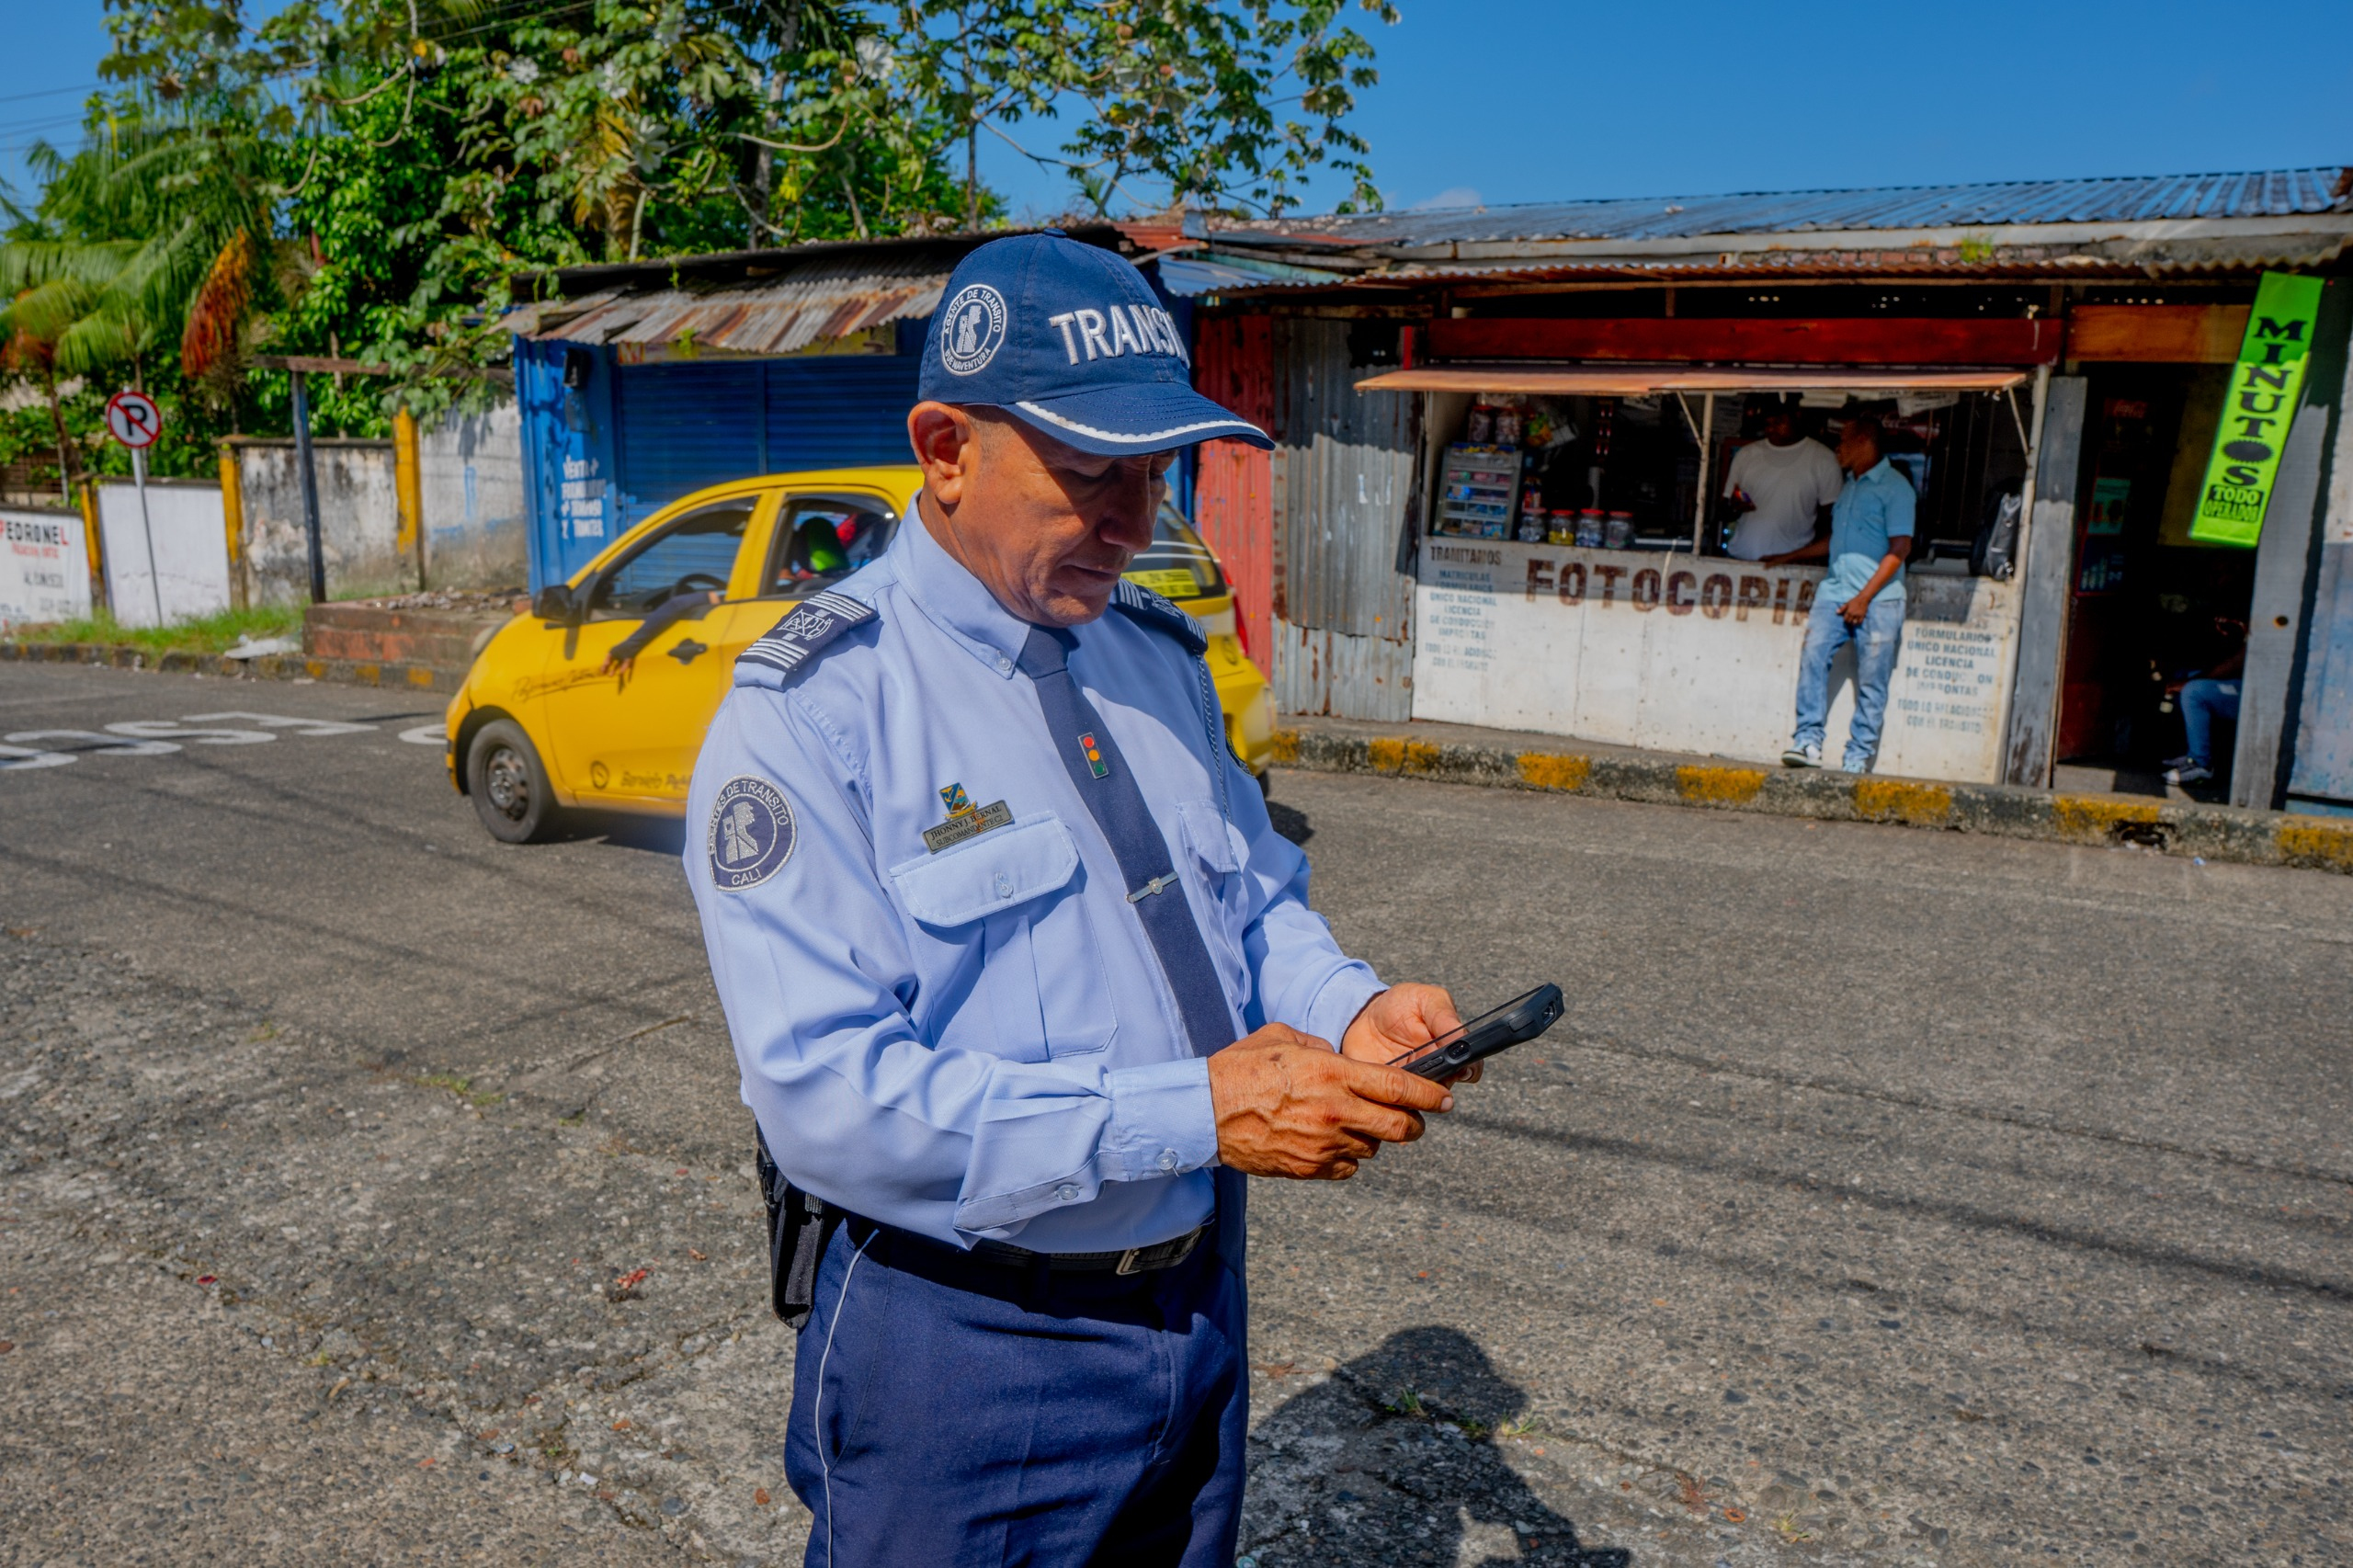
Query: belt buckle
{"points": [[1127, 1263]]}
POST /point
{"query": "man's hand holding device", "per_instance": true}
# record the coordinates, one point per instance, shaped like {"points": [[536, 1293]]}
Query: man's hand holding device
{"points": [[1289, 1106]]}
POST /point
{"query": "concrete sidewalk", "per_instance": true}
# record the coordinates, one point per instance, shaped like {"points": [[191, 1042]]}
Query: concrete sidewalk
{"points": [[1512, 759]]}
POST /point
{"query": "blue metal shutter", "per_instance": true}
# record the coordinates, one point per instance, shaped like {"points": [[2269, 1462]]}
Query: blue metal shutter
{"points": [[682, 426], [839, 411]]}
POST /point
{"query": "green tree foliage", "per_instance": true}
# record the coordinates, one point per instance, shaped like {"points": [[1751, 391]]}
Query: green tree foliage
{"points": [[367, 179], [1192, 103]]}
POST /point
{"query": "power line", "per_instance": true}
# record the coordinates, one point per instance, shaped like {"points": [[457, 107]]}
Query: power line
{"points": [[50, 93]]}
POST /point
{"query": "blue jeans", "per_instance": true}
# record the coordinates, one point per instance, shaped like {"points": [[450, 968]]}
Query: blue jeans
{"points": [[2202, 703], [952, 1411], [1877, 643]]}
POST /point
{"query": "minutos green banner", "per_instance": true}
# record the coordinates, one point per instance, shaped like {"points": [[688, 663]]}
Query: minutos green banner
{"points": [[2264, 385]]}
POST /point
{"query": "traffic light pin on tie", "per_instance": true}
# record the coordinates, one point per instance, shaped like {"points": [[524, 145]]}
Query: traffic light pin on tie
{"points": [[1095, 762]]}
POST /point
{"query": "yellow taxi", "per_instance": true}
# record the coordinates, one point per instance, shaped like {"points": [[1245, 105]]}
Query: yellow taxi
{"points": [[600, 695]]}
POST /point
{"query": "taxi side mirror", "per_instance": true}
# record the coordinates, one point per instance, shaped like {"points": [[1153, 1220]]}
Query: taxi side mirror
{"points": [[553, 603]]}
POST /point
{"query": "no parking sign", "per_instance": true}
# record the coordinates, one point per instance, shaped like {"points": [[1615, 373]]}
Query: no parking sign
{"points": [[133, 419]]}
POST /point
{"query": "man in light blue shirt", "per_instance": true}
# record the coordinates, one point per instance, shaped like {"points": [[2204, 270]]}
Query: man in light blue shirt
{"points": [[1020, 978], [1860, 599]]}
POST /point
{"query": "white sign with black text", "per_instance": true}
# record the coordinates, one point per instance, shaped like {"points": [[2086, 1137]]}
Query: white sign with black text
{"points": [[44, 566]]}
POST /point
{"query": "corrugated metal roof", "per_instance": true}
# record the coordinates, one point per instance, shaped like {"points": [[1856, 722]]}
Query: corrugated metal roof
{"points": [[770, 301], [2077, 263], [2278, 193], [794, 306]]}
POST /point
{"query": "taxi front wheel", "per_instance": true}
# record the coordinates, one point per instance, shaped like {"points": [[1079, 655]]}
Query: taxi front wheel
{"points": [[509, 784]]}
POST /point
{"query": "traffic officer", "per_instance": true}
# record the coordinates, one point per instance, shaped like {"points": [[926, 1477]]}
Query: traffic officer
{"points": [[1020, 977]]}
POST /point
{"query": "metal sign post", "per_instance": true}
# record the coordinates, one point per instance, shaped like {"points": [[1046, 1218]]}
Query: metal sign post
{"points": [[310, 478], [133, 419]]}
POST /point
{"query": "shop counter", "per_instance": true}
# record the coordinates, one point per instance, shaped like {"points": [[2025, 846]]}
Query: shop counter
{"points": [[1681, 654]]}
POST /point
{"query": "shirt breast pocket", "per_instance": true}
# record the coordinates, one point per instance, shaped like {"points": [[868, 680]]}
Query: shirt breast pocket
{"points": [[1014, 892], [1216, 849]]}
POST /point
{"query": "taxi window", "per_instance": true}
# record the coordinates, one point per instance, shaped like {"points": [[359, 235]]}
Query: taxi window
{"points": [[822, 539], [694, 554], [1176, 565]]}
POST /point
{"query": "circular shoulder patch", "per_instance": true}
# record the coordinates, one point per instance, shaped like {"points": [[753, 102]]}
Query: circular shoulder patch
{"points": [[972, 329], [752, 834]]}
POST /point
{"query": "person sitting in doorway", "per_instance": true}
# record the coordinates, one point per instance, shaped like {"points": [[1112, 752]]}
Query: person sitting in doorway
{"points": [[1779, 486], [2206, 696], [1860, 600]]}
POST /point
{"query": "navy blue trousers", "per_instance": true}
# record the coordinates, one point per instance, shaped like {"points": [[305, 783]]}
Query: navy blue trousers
{"points": [[947, 1412]]}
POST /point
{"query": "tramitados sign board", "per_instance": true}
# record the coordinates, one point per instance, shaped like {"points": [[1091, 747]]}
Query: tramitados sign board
{"points": [[2264, 383]]}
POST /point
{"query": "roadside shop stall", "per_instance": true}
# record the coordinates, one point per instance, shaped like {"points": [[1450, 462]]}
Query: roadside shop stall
{"points": [[1504, 438], [1574, 577]]}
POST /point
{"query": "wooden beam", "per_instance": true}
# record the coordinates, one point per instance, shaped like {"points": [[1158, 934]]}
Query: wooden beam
{"points": [[1862, 340], [320, 365], [2157, 335]]}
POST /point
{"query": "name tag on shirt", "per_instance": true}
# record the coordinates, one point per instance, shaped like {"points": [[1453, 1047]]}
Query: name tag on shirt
{"points": [[967, 825]]}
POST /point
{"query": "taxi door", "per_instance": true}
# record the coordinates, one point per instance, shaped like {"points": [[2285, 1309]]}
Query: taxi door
{"points": [[631, 740]]}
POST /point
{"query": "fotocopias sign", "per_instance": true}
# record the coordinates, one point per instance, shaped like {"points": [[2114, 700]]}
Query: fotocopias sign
{"points": [[2256, 414]]}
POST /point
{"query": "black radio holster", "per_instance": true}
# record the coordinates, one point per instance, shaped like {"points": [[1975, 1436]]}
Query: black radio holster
{"points": [[800, 1227]]}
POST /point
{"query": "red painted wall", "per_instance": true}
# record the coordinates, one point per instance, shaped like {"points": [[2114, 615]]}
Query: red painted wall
{"points": [[1233, 362]]}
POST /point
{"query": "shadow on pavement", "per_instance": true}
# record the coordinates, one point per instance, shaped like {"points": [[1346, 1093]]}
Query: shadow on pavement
{"points": [[1290, 821], [625, 830], [1392, 1460]]}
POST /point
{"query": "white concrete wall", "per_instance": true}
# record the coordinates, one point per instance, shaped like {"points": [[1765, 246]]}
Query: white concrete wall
{"points": [[470, 473], [1661, 650], [185, 520], [44, 565], [358, 521]]}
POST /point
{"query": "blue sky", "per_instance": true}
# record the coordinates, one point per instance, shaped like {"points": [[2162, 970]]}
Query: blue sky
{"points": [[1528, 100]]}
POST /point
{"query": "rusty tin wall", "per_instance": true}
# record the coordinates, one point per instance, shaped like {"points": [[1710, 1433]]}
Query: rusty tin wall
{"points": [[1234, 492], [1344, 478]]}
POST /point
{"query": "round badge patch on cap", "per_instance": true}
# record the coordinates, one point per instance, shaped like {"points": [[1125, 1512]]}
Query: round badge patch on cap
{"points": [[972, 329], [752, 834]]}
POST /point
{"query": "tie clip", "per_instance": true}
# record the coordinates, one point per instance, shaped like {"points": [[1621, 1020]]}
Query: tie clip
{"points": [[1157, 884]]}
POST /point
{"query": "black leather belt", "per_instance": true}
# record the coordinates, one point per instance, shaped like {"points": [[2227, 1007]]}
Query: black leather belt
{"points": [[1134, 1260]]}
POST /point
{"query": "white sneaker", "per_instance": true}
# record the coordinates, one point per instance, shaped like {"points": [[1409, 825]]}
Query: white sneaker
{"points": [[1801, 757], [2188, 773]]}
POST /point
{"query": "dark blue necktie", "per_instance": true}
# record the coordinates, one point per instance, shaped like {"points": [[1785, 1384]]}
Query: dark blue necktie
{"points": [[1116, 805]]}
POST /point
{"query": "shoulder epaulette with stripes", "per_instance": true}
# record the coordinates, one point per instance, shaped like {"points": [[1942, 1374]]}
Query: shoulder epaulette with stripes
{"points": [[800, 637], [1141, 604]]}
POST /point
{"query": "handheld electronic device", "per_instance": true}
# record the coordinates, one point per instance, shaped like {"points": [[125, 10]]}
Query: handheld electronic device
{"points": [[1512, 1024]]}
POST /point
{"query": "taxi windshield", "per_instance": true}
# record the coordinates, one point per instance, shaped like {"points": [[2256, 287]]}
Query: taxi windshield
{"points": [[1176, 565]]}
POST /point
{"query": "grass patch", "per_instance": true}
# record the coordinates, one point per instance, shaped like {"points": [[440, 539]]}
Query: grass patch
{"points": [[462, 1087], [203, 634]]}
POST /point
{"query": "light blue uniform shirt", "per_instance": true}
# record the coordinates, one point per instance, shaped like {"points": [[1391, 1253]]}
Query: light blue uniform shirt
{"points": [[981, 1043], [1873, 508]]}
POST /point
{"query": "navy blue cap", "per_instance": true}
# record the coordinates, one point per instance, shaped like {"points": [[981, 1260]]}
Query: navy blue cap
{"points": [[1070, 338]]}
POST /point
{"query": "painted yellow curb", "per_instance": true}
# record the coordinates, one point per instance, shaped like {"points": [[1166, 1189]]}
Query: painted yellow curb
{"points": [[1553, 770], [2087, 819], [2324, 843], [1896, 800], [1718, 786], [1389, 755]]}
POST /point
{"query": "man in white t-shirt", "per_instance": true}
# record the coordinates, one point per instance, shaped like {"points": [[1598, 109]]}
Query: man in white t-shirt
{"points": [[1781, 483]]}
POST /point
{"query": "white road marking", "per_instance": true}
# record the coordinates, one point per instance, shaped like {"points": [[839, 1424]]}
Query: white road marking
{"points": [[154, 737], [159, 729], [280, 722]]}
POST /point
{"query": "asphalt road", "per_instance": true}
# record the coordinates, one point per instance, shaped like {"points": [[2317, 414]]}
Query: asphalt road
{"points": [[370, 1191]]}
